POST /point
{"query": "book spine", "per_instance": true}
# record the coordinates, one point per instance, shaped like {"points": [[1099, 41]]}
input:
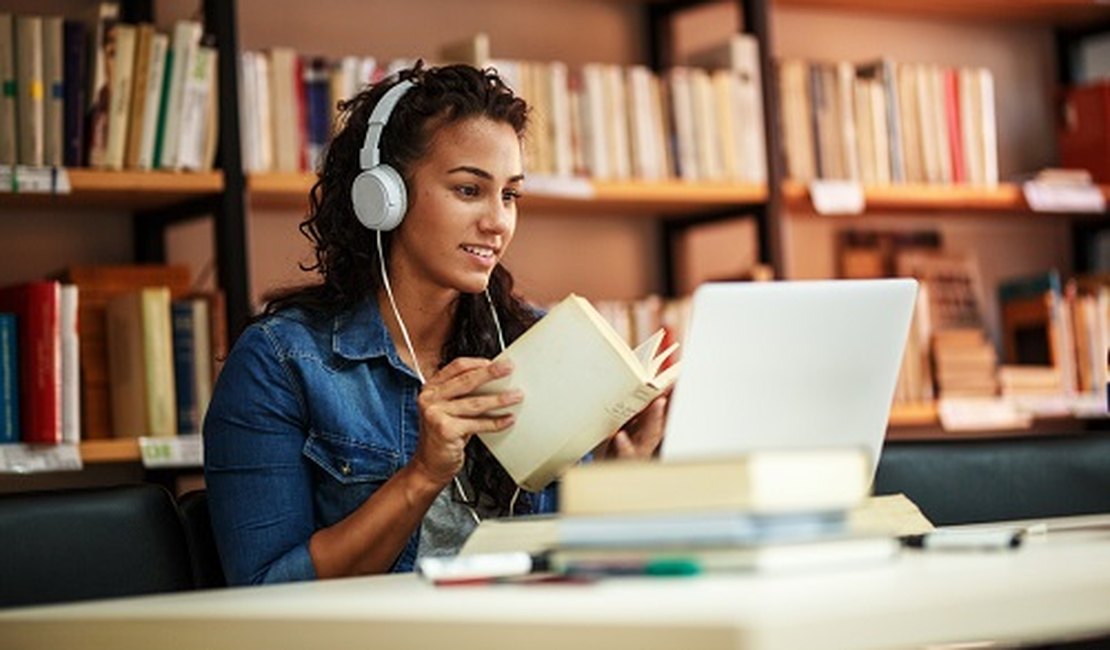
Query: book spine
{"points": [[71, 365], [36, 305], [54, 103], [157, 345], [184, 366], [75, 80], [29, 90], [9, 379], [7, 92]]}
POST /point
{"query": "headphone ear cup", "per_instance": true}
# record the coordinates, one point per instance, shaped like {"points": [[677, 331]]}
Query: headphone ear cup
{"points": [[379, 198]]}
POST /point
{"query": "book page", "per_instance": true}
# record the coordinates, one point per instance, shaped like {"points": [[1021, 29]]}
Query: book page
{"points": [[892, 514]]}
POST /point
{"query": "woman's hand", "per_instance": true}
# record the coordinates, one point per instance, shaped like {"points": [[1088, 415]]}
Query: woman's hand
{"points": [[450, 413], [639, 438]]}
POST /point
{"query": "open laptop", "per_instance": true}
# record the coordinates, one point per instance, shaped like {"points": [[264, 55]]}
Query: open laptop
{"points": [[773, 365]]}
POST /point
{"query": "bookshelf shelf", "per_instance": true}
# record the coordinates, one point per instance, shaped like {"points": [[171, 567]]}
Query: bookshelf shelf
{"points": [[911, 415], [114, 450], [1052, 12], [95, 188], [1006, 198], [670, 198]]}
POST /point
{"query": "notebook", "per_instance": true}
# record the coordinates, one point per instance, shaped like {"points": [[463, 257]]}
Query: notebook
{"points": [[781, 365]]}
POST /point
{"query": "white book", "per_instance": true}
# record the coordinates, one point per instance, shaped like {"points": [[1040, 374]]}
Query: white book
{"points": [[186, 41], [970, 125], [847, 113], [911, 133], [926, 123], [194, 109], [284, 111], [724, 102], [155, 80], [594, 125], [53, 60], [880, 133], [644, 154], [706, 132], [616, 109], [940, 122], [749, 99], [560, 118], [8, 133], [264, 116], [248, 113], [581, 383], [71, 365], [989, 128], [119, 107]]}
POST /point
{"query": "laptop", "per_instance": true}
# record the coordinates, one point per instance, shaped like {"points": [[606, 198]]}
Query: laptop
{"points": [[781, 365]]}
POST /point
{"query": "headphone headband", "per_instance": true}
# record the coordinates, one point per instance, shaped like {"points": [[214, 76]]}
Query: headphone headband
{"points": [[370, 156]]}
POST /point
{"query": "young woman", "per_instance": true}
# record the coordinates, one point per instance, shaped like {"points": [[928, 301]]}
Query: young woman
{"points": [[339, 437]]}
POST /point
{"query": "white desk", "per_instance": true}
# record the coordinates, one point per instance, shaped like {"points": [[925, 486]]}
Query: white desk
{"points": [[1047, 590]]}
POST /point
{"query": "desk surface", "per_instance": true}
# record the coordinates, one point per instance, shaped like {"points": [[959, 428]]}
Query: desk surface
{"points": [[1045, 590]]}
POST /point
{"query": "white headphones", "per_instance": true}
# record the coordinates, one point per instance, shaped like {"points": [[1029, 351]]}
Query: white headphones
{"points": [[378, 193]]}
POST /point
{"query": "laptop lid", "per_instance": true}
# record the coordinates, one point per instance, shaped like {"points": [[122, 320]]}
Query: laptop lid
{"points": [[773, 365]]}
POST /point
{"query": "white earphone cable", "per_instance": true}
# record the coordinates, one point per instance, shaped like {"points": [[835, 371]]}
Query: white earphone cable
{"points": [[396, 312]]}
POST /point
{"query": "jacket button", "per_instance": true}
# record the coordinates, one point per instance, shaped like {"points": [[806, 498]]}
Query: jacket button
{"points": [[345, 468]]}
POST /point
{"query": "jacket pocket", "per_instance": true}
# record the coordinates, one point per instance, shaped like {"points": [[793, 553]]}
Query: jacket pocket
{"points": [[351, 461]]}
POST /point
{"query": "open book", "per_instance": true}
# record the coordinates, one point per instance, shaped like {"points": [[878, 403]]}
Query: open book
{"points": [[581, 382]]}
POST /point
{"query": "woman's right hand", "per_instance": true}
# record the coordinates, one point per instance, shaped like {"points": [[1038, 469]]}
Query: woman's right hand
{"points": [[450, 413]]}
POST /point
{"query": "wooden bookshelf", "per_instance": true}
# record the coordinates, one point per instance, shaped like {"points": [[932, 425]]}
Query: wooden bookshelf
{"points": [[913, 415], [129, 190], [1006, 198], [111, 450], [649, 199], [1074, 13]]}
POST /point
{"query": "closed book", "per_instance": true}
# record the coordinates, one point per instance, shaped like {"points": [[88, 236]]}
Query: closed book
{"points": [[71, 364], [36, 305], [9, 378], [120, 86], [29, 89], [184, 366], [838, 551], [580, 381], [193, 120], [76, 79], [759, 482], [53, 69], [696, 529], [140, 364], [102, 19], [185, 43], [8, 133], [152, 100], [144, 41]]}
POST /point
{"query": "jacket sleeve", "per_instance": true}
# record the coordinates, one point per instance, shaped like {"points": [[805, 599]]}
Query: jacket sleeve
{"points": [[259, 485]]}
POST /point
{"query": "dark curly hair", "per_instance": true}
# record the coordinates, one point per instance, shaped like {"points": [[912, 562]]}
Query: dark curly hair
{"points": [[345, 251]]}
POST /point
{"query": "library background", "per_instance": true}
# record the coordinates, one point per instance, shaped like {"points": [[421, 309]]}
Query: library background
{"points": [[156, 159]]}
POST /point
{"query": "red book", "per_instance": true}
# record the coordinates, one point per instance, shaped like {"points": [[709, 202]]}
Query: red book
{"points": [[952, 115], [1085, 133], [36, 306], [302, 115]]}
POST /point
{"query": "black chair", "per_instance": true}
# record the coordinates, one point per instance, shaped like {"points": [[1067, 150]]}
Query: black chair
{"points": [[207, 571], [74, 545], [997, 480]]}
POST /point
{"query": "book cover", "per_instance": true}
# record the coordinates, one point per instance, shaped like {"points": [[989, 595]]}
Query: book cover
{"points": [[184, 366], [9, 378], [71, 364], [36, 305], [186, 42], [144, 41], [758, 482], [580, 381], [152, 100], [119, 94], [102, 19]]}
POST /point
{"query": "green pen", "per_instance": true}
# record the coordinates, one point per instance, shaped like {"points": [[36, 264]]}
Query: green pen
{"points": [[672, 566]]}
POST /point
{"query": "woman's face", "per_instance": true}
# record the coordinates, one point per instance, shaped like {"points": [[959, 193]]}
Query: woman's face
{"points": [[462, 206]]}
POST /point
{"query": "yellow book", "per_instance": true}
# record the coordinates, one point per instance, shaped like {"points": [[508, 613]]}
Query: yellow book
{"points": [[772, 481], [581, 382], [140, 364]]}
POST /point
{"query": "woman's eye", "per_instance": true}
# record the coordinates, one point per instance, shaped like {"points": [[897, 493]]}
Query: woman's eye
{"points": [[510, 196], [468, 191]]}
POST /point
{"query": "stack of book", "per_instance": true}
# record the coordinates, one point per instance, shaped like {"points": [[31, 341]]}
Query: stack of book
{"points": [[965, 362], [766, 510]]}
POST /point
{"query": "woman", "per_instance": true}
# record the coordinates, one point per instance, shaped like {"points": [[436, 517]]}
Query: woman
{"points": [[326, 452]]}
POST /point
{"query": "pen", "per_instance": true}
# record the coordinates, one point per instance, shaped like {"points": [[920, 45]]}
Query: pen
{"points": [[999, 539], [654, 567], [486, 566]]}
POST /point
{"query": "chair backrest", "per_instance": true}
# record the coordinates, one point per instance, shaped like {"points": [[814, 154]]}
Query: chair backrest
{"points": [[998, 480], [73, 545], [207, 571]]}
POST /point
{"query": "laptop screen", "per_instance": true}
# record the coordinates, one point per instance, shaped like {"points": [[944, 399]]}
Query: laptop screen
{"points": [[780, 365]]}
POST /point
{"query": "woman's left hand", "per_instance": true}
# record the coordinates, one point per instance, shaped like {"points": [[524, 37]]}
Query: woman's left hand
{"points": [[639, 438]]}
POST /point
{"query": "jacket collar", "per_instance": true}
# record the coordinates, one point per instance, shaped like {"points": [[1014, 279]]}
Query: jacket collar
{"points": [[360, 334]]}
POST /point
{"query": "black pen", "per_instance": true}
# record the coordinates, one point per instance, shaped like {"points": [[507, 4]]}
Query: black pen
{"points": [[994, 539]]}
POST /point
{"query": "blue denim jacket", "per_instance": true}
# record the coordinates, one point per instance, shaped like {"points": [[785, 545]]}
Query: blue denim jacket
{"points": [[306, 421]]}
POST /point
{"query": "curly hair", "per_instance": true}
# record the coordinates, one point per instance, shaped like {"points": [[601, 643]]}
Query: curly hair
{"points": [[346, 257]]}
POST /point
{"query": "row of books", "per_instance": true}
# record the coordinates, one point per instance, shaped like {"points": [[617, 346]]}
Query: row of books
{"points": [[103, 352], [598, 121], [882, 123], [117, 96]]}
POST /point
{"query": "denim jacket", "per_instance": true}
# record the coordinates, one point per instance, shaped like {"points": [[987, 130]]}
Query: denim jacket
{"points": [[307, 420]]}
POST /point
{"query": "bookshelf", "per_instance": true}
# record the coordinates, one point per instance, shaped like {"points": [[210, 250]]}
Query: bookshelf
{"points": [[1004, 199], [123, 190]]}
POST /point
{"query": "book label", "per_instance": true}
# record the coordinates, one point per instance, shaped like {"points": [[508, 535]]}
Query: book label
{"points": [[1064, 197], [34, 180], [31, 459], [837, 197], [179, 451]]}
